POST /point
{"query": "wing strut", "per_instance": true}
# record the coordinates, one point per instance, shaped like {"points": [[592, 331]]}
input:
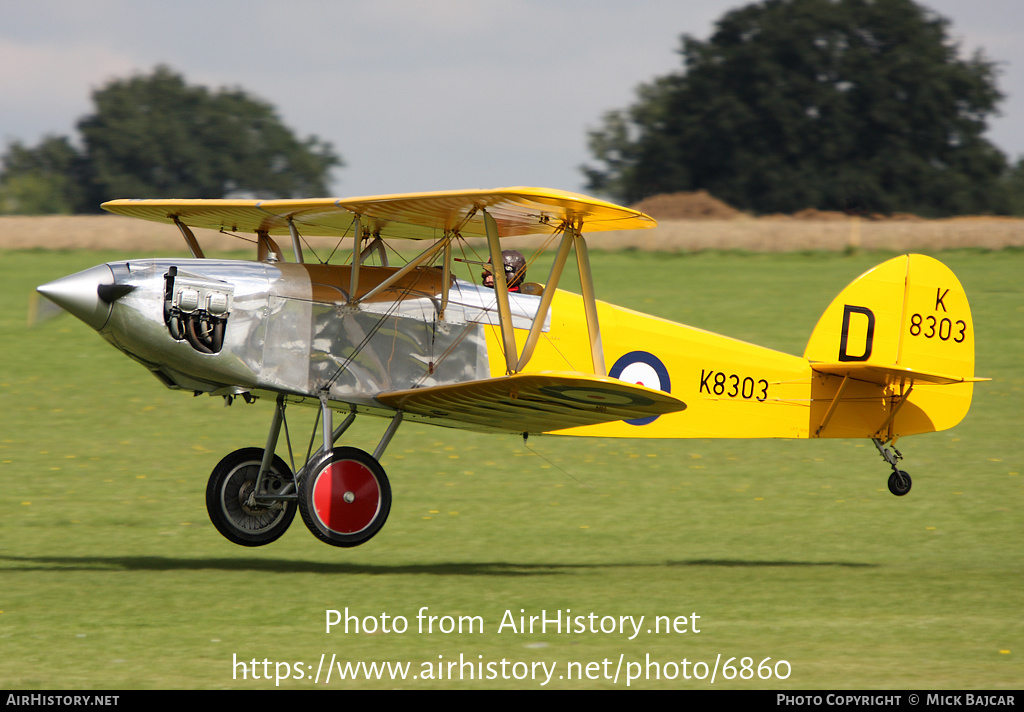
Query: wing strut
{"points": [[894, 408], [572, 238], [835, 403], [508, 338], [446, 278], [376, 245], [589, 302], [190, 238], [415, 262], [296, 241], [546, 297], [357, 241], [267, 250]]}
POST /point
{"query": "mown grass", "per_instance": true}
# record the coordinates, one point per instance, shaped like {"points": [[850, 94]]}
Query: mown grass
{"points": [[111, 575]]}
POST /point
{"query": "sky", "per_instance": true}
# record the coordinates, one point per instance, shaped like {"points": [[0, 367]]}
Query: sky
{"points": [[415, 95]]}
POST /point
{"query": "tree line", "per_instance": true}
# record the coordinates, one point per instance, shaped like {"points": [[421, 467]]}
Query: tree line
{"points": [[858, 105], [154, 136]]}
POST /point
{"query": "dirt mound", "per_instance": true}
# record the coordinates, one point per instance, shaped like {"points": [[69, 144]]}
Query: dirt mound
{"points": [[815, 214], [807, 214], [700, 205]]}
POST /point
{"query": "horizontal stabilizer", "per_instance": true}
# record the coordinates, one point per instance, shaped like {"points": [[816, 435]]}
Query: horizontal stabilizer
{"points": [[534, 402], [889, 375]]}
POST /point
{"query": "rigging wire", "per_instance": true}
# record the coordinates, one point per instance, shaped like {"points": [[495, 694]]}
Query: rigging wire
{"points": [[338, 243], [387, 315], [526, 444], [222, 231]]}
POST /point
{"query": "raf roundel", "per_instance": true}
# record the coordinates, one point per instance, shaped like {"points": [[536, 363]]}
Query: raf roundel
{"points": [[643, 369]]}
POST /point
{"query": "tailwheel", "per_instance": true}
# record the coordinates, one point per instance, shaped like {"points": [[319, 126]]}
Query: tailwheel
{"points": [[230, 498], [899, 482], [344, 496]]}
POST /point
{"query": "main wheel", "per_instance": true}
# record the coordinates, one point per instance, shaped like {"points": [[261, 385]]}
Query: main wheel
{"points": [[899, 483], [344, 497], [227, 498]]}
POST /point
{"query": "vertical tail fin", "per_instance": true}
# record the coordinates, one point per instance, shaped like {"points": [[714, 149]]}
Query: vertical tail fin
{"points": [[904, 325]]}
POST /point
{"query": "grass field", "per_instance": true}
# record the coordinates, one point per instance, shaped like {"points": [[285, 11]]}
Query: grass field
{"points": [[111, 575]]}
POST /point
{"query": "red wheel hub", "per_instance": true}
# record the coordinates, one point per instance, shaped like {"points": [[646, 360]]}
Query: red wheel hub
{"points": [[346, 497]]}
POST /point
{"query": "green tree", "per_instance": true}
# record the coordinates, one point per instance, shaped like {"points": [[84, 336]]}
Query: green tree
{"points": [[1015, 188], [154, 136], [834, 104], [41, 180]]}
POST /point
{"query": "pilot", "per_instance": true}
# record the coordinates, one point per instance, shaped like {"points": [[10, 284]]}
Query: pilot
{"points": [[515, 271]]}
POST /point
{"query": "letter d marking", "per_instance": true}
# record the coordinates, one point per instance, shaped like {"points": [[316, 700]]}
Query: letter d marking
{"points": [[869, 336]]}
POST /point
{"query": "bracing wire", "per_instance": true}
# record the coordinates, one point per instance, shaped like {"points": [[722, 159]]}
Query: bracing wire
{"points": [[526, 444]]}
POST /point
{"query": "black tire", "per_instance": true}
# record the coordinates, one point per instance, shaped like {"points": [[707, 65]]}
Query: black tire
{"points": [[231, 482], [344, 497], [899, 483]]}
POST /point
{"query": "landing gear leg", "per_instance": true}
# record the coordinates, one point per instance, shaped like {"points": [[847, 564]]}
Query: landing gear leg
{"points": [[899, 481]]}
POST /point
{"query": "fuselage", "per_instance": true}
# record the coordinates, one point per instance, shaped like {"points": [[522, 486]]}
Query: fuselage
{"points": [[240, 328]]}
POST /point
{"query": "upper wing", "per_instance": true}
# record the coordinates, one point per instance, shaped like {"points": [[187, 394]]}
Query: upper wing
{"points": [[534, 402], [415, 216]]}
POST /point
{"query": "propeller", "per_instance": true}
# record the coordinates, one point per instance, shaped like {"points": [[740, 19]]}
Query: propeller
{"points": [[41, 310]]}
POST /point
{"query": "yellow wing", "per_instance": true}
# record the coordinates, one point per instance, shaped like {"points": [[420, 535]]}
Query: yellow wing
{"points": [[533, 402], [415, 216]]}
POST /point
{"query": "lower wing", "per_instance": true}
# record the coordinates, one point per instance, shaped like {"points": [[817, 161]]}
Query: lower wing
{"points": [[533, 402]]}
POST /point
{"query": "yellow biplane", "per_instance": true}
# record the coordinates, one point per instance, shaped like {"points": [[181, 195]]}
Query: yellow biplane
{"points": [[893, 355]]}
